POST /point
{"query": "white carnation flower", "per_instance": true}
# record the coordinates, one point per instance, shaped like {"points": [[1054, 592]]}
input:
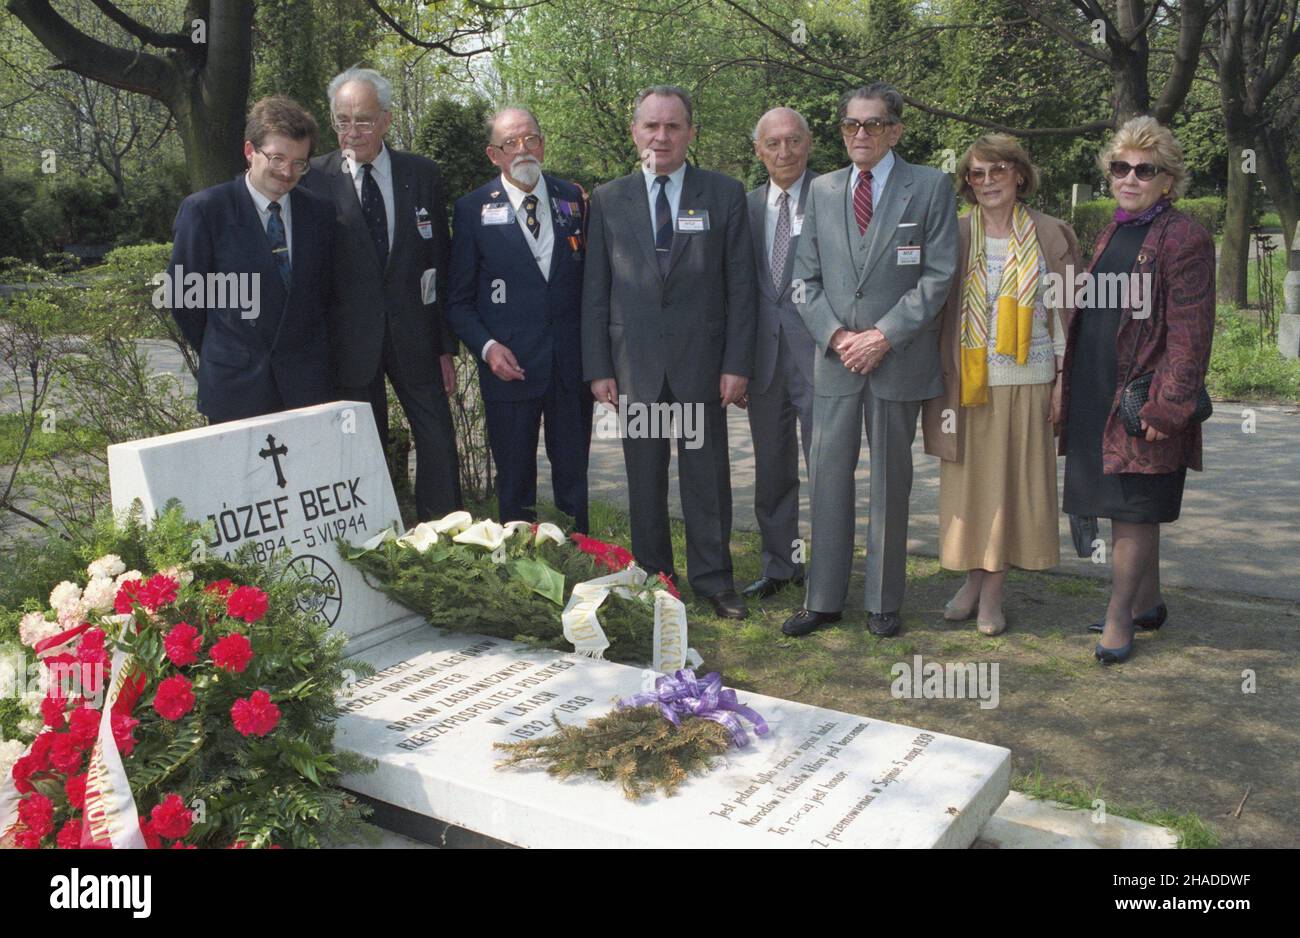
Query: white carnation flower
{"points": [[99, 595], [64, 594], [11, 750], [127, 577], [33, 628], [108, 566], [179, 574], [31, 726]]}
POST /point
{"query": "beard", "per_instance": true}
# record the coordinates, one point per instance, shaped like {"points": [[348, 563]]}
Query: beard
{"points": [[527, 170]]}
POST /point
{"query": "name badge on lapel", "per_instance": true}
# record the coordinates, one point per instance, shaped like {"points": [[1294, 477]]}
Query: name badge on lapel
{"points": [[497, 213], [422, 223], [796, 225], [909, 255], [692, 220]]}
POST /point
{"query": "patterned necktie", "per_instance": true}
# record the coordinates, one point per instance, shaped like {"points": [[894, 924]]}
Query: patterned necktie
{"points": [[781, 240], [530, 206], [663, 226], [279, 244], [862, 202], [376, 216]]}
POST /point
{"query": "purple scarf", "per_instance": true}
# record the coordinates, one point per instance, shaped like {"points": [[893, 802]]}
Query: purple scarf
{"points": [[1128, 220]]}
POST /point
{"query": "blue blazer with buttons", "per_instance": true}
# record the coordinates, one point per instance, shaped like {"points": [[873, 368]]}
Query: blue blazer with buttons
{"points": [[278, 359], [498, 292]]}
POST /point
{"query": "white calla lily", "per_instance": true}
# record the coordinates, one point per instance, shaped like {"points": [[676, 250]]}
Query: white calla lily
{"points": [[514, 527], [548, 532], [453, 523], [487, 534], [421, 537]]}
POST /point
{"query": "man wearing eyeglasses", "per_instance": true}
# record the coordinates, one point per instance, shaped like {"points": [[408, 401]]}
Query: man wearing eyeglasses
{"points": [[390, 281], [877, 256], [516, 300], [262, 338]]}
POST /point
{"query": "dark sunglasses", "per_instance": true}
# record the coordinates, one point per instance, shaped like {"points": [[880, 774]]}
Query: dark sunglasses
{"points": [[1145, 171]]}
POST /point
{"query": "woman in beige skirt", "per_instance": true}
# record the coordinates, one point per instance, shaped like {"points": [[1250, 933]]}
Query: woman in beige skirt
{"points": [[1002, 348]]}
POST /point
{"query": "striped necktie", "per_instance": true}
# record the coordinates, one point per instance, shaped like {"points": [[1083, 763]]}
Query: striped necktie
{"points": [[862, 202]]}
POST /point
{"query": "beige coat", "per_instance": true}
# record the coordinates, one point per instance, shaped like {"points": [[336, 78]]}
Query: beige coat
{"points": [[1060, 248]]}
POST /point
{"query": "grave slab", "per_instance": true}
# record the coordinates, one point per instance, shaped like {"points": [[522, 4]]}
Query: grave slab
{"points": [[820, 778], [292, 481]]}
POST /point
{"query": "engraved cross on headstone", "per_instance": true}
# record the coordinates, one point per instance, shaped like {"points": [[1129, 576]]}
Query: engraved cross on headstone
{"points": [[274, 453]]}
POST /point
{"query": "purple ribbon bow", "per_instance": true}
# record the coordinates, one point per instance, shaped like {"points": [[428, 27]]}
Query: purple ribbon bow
{"points": [[685, 695]]}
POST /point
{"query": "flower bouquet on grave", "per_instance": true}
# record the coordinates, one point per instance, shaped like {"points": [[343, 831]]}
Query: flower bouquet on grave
{"points": [[651, 741], [526, 582], [175, 709]]}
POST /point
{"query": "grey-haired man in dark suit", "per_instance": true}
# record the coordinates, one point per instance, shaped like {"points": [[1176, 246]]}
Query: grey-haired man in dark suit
{"points": [[781, 390]]}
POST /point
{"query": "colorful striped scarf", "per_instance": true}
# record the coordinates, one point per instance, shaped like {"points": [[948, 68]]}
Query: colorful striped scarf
{"points": [[1015, 303]]}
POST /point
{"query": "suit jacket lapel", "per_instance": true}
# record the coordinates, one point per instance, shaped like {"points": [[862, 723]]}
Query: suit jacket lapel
{"points": [[343, 191], [692, 196], [403, 205], [561, 242], [794, 238], [898, 192], [639, 206], [259, 250], [758, 233]]}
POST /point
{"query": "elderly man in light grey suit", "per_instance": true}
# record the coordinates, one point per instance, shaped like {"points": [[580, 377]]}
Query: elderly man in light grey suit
{"points": [[781, 390], [876, 259], [668, 312]]}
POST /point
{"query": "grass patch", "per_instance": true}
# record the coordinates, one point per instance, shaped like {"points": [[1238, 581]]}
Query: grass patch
{"points": [[1193, 833], [1241, 368], [1074, 586]]}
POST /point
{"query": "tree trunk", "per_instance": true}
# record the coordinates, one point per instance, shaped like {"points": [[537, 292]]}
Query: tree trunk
{"points": [[1234, 254], [1275, 174]]}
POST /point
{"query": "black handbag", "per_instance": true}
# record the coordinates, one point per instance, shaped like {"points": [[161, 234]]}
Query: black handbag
{"points": [[1135, 396], [1083, 531]]}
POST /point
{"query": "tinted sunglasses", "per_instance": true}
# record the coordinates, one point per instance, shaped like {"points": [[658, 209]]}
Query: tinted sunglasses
{"points": [[1145, 171]]}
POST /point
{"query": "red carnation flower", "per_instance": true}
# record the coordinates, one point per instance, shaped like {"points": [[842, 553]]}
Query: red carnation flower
{"points": [[248, 603], [22, 773], [40, 751], [91, 645], [255, 716], [158, 592], [183, 644], [83, 725], [622, 556], [75, 789], [232, 653], [37, 814], [52, 711], [180, 846], [66, 753], [127, 594], [668, 584], [69, 836], [221, 588], [26, 840], [124, 732], [170, 819], [151, 839], [174, 698]]}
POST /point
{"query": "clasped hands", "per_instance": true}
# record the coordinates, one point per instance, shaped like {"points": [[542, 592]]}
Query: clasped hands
{"points": [[733, 389], [860, 352]]}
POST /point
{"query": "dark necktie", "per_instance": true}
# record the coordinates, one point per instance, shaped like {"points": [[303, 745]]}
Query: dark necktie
{"points": [[663, 226], [780, 240], [279, 244], [376, 216], [530, 208], [862, 202]]}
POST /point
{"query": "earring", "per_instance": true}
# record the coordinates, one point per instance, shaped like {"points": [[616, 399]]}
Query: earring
{"points": [[1166, 192]]}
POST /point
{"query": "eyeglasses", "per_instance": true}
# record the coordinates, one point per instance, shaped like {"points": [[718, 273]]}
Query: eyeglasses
{"points": [[279, 162], [994, 173], [516, 144], [1145, 171], [874, 126], [344, 126]]}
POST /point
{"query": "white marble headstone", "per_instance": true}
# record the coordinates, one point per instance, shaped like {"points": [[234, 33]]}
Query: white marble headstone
{"points": [[293, 481], [819, 779]]}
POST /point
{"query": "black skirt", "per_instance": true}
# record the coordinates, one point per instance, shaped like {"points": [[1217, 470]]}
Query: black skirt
{"points": [[1134, 497]]}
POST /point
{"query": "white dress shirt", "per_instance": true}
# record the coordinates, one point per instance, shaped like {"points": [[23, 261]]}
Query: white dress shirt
{"points": [[261, 203], [774, 211], [879, 176], [544, 244], [382, 170], [675, 179]]}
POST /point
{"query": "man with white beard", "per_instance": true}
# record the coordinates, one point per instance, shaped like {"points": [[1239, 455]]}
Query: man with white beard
{"points": [[516, 300]]}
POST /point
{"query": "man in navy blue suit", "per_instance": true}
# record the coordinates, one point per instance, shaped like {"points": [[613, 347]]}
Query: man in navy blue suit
{"points": [[250, 275], [516, 301]]}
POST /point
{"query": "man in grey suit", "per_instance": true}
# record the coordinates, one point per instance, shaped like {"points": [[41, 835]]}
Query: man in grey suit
{"points": [[668, 312], [876, 259], [781, 390]]}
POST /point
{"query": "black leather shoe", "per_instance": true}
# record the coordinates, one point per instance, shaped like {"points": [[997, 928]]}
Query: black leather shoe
{"points": [[728, 605], [766, 586], [1149, 621], [805, 621], [884, 624]]}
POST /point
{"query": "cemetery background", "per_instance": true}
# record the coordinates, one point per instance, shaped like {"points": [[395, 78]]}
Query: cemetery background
{"points": [[96, 338]]}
